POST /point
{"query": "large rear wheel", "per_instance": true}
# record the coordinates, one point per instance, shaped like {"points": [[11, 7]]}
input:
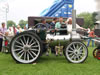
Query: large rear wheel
{"points": [[26, 47]]}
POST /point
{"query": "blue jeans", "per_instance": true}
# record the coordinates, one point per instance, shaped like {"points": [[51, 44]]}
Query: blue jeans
{"points": [[89, 42]]}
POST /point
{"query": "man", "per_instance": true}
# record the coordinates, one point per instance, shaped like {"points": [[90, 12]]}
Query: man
{"points": [[10, 30], [3, 31], [58, 24], [45, 24], [69, 25], [52, 26], [19, 29], [53, 23]]}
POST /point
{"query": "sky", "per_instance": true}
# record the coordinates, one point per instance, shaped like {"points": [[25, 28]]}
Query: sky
{"points": [[21, 9]]}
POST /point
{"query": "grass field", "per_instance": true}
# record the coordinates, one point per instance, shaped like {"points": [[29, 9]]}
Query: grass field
{"points": [[49, 65]]}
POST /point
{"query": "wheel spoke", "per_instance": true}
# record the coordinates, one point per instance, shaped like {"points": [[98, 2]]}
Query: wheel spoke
{"points": [[82, 53], [21, 55], [30, 54], [25, 55], [78, 57], [80, 48], [71, 48], [27, 41], [34, 49], [74, 46], [75, 57], [34, 53], [19, 52], [35, 46], [18, 42], [33, 43], [77, 46], [70, 51], [70, 54], [72, 57], [22, 42], [19, 46], [24, 39]]}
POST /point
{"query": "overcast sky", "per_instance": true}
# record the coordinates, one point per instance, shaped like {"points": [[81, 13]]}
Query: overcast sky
{"points": [[21, 9]]}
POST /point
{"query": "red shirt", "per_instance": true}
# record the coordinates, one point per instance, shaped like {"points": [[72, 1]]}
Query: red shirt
{"points": [[91, 34]]}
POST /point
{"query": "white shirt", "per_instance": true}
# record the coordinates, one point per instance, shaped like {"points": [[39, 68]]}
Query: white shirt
{"points": [[69, 27], [89, 30], [10, 32]]}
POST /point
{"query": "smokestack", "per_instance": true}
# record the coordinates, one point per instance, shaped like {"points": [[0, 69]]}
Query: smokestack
{"points": [[74, 19], [74, 34]]}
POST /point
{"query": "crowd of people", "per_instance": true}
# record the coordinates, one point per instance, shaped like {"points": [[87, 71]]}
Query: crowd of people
{"points": [[56, 24], [11, 31]]}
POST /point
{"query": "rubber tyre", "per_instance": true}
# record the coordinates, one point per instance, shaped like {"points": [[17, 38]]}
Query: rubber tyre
{"points": [[21, 34], [95, 52], [76, 62]]}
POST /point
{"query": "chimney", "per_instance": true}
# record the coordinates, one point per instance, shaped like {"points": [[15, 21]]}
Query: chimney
{"points": [[74, 20]]}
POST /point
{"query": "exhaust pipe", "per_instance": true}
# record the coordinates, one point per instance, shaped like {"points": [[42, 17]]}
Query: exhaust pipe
{"points": [[74, 34], [73, 20]]}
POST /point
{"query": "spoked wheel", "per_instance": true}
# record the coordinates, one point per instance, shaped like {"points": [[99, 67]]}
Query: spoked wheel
{"points": [[98, 55], [26, 48], [76, 52], [95, 52]]}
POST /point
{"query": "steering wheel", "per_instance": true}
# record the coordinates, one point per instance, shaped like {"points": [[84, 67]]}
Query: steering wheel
{"points": [[40, 26]]}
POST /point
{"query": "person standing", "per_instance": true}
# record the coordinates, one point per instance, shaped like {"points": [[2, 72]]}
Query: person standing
{"points": [[10, 30], [3, 31], [91, 36], [14, 30]]}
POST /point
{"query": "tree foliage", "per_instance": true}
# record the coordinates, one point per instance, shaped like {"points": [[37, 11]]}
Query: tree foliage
{"points": [[10, 23], [22, 23], [94, 14], [88, 19]]}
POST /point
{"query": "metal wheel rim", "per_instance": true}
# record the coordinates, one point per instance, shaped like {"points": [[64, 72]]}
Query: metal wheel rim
{"points": [[78, 53], [98, 55], [21, 52], [95, 52]]}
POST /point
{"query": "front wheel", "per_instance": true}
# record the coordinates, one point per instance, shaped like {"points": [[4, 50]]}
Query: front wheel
{"points": [[26, 47], [95, 52], [76, 52]]}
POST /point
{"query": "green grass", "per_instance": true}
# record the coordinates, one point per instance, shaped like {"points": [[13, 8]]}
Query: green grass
{"points": [[50, 65]]}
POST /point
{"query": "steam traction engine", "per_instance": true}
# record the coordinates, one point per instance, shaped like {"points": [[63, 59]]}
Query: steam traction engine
{"points": [[28, 46]]}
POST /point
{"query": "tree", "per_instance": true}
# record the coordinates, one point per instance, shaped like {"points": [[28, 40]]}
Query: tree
{"points": [[22, 23], [88, 19], [94, 16], [10, 23]]}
